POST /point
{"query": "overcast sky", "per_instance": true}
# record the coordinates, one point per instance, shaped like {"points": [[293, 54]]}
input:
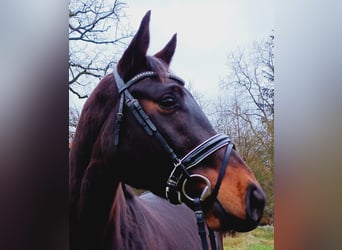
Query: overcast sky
{"points": [[206, 32]]}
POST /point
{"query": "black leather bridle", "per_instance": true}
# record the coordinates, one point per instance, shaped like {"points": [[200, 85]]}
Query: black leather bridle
{"points": [[175, 189]]}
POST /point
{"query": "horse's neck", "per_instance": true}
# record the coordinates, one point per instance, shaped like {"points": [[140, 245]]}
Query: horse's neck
{"points": [[107, 215], [91, 201], [132, 226], [136, 223], [150, 222]]}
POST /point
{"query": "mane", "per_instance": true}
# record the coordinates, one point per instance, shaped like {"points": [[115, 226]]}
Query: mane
{"points": [[96, 111]]}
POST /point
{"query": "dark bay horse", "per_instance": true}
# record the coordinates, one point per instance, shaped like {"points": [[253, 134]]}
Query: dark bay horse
{"points": [[133, 128]]}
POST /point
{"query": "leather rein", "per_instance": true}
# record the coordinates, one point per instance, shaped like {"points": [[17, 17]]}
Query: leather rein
{"points": [[175, 186]]}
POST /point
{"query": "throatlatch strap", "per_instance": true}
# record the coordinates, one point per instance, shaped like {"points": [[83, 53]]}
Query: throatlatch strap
{"points": [[212, 239], [200, 223], [119, 118]]}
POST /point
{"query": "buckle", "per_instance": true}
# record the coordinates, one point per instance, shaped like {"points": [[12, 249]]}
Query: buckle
{"points": [[173, 196], [171, 191]]}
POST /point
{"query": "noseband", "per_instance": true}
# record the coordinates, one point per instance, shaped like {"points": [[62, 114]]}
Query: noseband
{"points": [[175, 189]]}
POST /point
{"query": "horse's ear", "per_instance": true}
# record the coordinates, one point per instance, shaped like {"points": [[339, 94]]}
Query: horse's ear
{"points": [[135, 55], [167, 52]]}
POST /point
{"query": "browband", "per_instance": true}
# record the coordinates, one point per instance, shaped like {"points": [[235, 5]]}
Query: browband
{"points": [[122, 86]]}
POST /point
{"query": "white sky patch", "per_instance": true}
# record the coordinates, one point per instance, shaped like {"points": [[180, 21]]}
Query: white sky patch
{"points": [[207, 31]]}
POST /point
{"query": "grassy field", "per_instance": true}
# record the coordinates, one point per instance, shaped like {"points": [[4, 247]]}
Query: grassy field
{"points": [[262, 238]]}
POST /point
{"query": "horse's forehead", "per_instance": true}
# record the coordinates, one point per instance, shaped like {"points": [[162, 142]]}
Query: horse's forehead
{"points": [[154, 86]]}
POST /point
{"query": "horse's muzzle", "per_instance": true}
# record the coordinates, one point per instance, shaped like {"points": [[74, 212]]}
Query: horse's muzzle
{"points": [[255, 203]]}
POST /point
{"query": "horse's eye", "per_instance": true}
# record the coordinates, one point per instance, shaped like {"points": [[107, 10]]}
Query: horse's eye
{"points": [[168, 102]]}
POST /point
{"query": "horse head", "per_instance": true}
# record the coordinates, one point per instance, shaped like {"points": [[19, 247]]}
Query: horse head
{"points": [[151, 134]]}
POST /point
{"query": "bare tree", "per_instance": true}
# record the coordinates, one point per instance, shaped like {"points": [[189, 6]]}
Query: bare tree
{"points": [[251, 79], [253, 72], [74, 116], [97, 34], [247, 114]]}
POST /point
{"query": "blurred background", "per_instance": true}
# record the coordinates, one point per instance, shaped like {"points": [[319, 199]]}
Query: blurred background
{"points": [[297, 94]]}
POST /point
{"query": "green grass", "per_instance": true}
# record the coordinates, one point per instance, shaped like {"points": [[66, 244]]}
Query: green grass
{"points": [[262, 238]]}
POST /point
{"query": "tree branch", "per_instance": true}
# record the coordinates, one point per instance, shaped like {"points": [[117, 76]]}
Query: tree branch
{"points": [[76, 93]]}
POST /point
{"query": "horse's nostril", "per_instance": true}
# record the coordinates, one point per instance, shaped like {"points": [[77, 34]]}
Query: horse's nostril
{"points": [[255, 202]]}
